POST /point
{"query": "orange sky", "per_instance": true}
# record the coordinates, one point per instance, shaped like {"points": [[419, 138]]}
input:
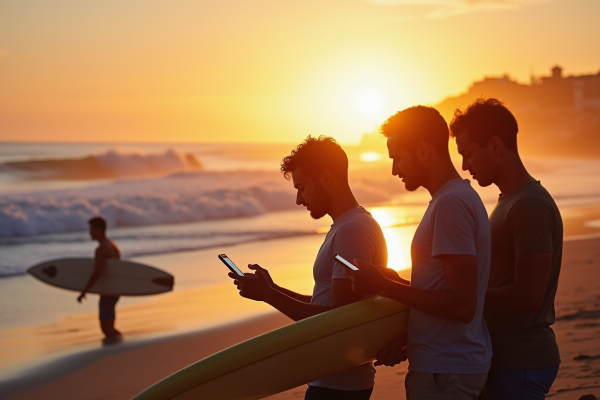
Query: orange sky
{"points": [[264, 71]]}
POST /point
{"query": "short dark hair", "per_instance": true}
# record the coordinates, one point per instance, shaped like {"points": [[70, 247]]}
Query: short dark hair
{"points": [[418, 124], [98, 222], [314, 155], [484, 118]]}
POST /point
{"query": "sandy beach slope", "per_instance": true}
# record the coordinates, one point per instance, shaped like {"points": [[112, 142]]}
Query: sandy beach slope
{"points": [[119, 372]]}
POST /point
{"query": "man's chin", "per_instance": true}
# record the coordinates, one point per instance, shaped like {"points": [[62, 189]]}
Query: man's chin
{"points": [[316, 214], [410, 187], [482, 183]]}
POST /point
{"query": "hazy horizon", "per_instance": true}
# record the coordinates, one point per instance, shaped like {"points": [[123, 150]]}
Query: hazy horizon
{"points": [[268, 71]]}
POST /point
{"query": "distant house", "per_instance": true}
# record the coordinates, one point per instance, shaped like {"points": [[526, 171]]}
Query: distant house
{"points": [[556, 113]]}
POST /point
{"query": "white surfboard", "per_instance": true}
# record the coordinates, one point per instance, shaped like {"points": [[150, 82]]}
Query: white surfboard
{"points": [[118, 278], [290, 356]]}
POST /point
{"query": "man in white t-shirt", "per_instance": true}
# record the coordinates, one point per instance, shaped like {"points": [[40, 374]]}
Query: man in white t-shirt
{"points": [[449, 349], [319, 170]]}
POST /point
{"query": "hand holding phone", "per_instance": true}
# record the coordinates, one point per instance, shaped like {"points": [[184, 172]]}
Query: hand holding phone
{"points": [[346, 263], [232, 267]]}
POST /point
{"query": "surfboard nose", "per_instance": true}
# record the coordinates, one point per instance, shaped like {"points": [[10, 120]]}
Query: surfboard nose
{"points": [[50, 271], [168, 282]]}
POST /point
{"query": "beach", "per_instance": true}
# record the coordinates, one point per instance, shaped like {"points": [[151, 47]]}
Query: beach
{"points": [[64, 359]]}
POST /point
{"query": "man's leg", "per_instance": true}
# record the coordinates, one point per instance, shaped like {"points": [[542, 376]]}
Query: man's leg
{"points": [[108, 315], [426, 386], [519, 384], [319, 393]]}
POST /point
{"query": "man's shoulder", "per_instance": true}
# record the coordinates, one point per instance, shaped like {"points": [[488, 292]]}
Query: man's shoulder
{"points": [[108, 249], [534, 199], [358, 221]]}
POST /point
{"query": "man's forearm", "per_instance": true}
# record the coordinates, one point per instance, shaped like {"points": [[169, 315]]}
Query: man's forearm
{"points": [[439, 303], [300, 297], [293, 308], [92, 281]]}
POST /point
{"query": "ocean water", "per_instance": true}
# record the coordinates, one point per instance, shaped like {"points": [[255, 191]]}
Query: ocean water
{"points": [[163, 198]]}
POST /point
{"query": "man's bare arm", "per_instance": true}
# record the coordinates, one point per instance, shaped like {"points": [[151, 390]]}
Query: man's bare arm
{"points": [[457, 303], [341, 295], [99, 259], [257, 287], [527, 293], [297, 296]]}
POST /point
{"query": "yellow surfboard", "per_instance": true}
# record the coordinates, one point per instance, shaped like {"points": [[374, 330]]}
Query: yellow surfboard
{"points": [[290, 356]]}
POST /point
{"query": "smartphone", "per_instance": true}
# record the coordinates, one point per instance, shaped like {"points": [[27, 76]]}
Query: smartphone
{"points": [[346, 263], [230, 264]]}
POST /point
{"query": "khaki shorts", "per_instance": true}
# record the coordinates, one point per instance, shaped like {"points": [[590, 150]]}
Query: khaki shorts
{"points": [[425, 386]]}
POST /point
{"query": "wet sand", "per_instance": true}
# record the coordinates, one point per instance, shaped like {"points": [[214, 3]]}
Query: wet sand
{"points": [[128, 367]]}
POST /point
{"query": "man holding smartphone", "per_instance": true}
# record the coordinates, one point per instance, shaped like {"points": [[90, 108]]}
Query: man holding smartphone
{"points": [[449, 349], [319, 170]]}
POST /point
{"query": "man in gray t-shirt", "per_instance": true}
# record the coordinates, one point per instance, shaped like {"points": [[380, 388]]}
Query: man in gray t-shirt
{"points": [[319, 170], [527, 236], [449, 349]]}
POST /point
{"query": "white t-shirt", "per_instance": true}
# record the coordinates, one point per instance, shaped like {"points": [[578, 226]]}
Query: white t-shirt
{"points": [[354, 234], [455, 222]]}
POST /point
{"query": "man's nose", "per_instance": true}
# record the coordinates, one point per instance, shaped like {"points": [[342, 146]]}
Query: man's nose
{"points": [[299, 199], [465, 164]]}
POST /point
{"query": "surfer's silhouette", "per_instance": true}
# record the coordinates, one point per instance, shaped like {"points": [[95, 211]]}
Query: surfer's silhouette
{"points": [[319, 170], [107, 249], [527, 239], [449, 349]]}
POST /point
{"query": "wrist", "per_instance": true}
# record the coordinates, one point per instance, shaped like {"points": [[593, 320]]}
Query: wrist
{"points": [[387, 288]]}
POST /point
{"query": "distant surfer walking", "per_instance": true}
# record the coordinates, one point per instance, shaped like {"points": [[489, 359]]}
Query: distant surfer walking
{"points": [[107, 249], [319, 170]]}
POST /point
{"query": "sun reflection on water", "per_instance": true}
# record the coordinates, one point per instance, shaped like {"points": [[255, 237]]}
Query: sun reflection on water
{"points": [[398, 225], [370, 156]]}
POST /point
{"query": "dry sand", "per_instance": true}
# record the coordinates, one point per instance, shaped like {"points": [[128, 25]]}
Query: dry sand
{"points": [[119, 372]]}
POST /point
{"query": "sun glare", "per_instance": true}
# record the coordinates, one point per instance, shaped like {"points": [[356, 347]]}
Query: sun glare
{"points": [[370, 157], [397, 235], [368, 103]]}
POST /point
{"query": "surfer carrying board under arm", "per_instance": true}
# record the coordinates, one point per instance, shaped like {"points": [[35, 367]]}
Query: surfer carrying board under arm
{"points": [[107, 249], [319, 170]]}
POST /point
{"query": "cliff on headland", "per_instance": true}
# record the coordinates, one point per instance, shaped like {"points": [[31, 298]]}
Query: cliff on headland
{"points": [[557, 115]]}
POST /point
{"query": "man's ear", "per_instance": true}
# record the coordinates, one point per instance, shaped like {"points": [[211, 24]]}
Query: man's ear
{"points": [[423, 152], [326, 178], [496, 146]]}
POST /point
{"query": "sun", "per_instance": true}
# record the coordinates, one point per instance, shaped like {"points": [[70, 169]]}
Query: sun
{"points": [[368, 103]]}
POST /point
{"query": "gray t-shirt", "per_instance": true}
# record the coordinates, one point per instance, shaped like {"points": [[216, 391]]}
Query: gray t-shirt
{"points": [[354, 234], [455, 222], [523, 222]]}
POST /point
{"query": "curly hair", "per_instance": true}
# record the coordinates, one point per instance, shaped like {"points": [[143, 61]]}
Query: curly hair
{"points": [[418, 124], [483, 119], [314, 155]]}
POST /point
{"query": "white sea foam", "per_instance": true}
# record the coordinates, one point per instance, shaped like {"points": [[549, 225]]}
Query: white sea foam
{"points": [[178, 198]]}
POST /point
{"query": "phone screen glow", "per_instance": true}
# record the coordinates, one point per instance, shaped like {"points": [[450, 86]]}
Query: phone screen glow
{"points": [[233, 266], [346, 263]]}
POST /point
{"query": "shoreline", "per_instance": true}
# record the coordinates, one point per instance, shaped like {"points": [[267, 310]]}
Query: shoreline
{"points": [[74, 377], [71, 345], [207, 339]]}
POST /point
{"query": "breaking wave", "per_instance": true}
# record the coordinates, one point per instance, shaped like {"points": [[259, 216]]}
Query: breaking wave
{"points": [[112, 163], [174, 199]]}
